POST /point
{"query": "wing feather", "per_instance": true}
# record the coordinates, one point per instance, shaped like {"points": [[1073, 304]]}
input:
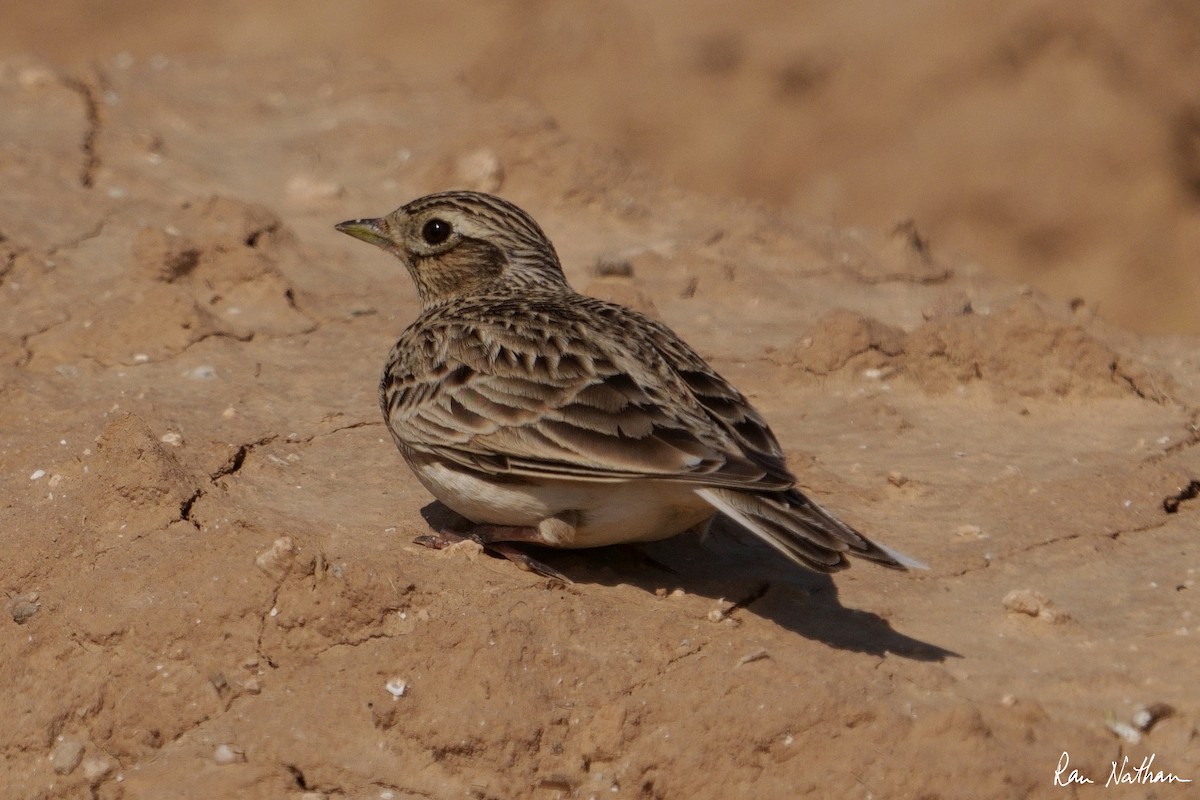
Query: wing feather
{"points": [[563, 386]]}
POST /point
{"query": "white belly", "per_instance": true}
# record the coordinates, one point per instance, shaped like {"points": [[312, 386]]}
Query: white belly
{"points": [[603, 512]]}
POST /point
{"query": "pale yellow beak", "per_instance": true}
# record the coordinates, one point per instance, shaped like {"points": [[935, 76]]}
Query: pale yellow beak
{"points": [[372, 231]]}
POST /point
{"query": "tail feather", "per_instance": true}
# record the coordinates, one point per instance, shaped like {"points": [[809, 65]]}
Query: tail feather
{"points": [[802, 530]]}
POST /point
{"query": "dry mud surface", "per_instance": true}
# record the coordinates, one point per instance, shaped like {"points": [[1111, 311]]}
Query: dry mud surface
{"points": [[208, 583]]}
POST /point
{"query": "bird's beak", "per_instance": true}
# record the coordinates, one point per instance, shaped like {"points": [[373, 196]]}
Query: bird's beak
{"points": [[372, 231]]}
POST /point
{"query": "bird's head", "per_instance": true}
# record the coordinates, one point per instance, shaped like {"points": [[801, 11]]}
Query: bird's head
{"points": [[460, 244]]}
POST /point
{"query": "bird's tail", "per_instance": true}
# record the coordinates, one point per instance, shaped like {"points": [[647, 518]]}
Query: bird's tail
{"points": [[802, 530]]}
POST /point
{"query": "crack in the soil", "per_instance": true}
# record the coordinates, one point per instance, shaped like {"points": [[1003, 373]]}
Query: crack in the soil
{"points": [[262, 626], [297, 776], [23, 343], [89, 146], [1120, 375], [10, 258], [91, 233], [1193, 437], [1114, 535], [185, 508], [1190, 492], [252, 239], [203, 337], [235, 461], [370, 637]]}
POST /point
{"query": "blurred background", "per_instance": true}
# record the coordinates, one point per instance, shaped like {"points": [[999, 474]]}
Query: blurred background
{"points": [[1055, 142]]}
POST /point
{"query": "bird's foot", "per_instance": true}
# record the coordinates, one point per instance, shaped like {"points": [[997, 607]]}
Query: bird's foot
{"points": [[495, 539]]}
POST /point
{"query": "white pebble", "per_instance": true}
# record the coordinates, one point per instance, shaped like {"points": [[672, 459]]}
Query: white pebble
{"points": [[203, 372], [96, 770], [1124, 731], [37, 475], [227, 754], [396, 687]]}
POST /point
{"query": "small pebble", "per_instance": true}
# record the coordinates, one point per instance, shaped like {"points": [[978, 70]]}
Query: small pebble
{"points": [[37, 475], [228, 754], [1034, 604], [66, 755], [970, 532], [276, 562], [896, 478], [97, 769], [173, 438], [204, 372], [1123, 730], [396, 687], [754, 655], [23, 607]]}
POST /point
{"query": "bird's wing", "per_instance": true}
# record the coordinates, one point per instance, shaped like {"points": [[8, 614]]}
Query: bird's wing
{"points": [[574, 388]]}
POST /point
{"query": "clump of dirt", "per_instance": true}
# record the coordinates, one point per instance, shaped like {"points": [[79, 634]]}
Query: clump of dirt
{"points": [[226, 254], [1020, 350], [133, 483]]}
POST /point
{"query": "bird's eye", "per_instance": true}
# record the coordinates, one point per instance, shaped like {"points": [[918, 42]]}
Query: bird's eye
{"points": [[435, 231]]}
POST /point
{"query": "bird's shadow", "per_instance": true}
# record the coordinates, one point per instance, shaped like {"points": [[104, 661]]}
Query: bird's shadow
{"points": [[731, 564]]}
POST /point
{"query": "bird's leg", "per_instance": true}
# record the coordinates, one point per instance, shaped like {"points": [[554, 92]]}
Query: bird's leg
{"points": [[495, 539]]}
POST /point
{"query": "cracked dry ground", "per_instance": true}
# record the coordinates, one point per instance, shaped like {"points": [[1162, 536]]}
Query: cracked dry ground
{"points": [[208, 577]]}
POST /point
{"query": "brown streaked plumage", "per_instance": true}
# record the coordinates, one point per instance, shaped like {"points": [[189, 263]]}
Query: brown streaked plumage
{"points": [[543, 415]]}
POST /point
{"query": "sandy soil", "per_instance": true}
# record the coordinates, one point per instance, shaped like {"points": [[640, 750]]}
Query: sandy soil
{"points": [[208, 583], [1056, 142]]}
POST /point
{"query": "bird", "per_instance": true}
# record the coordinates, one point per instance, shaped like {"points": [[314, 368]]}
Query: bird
{"points": [[545, 416]]}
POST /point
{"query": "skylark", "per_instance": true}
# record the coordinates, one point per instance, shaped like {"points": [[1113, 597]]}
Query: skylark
{"points": [[546, 416]]}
